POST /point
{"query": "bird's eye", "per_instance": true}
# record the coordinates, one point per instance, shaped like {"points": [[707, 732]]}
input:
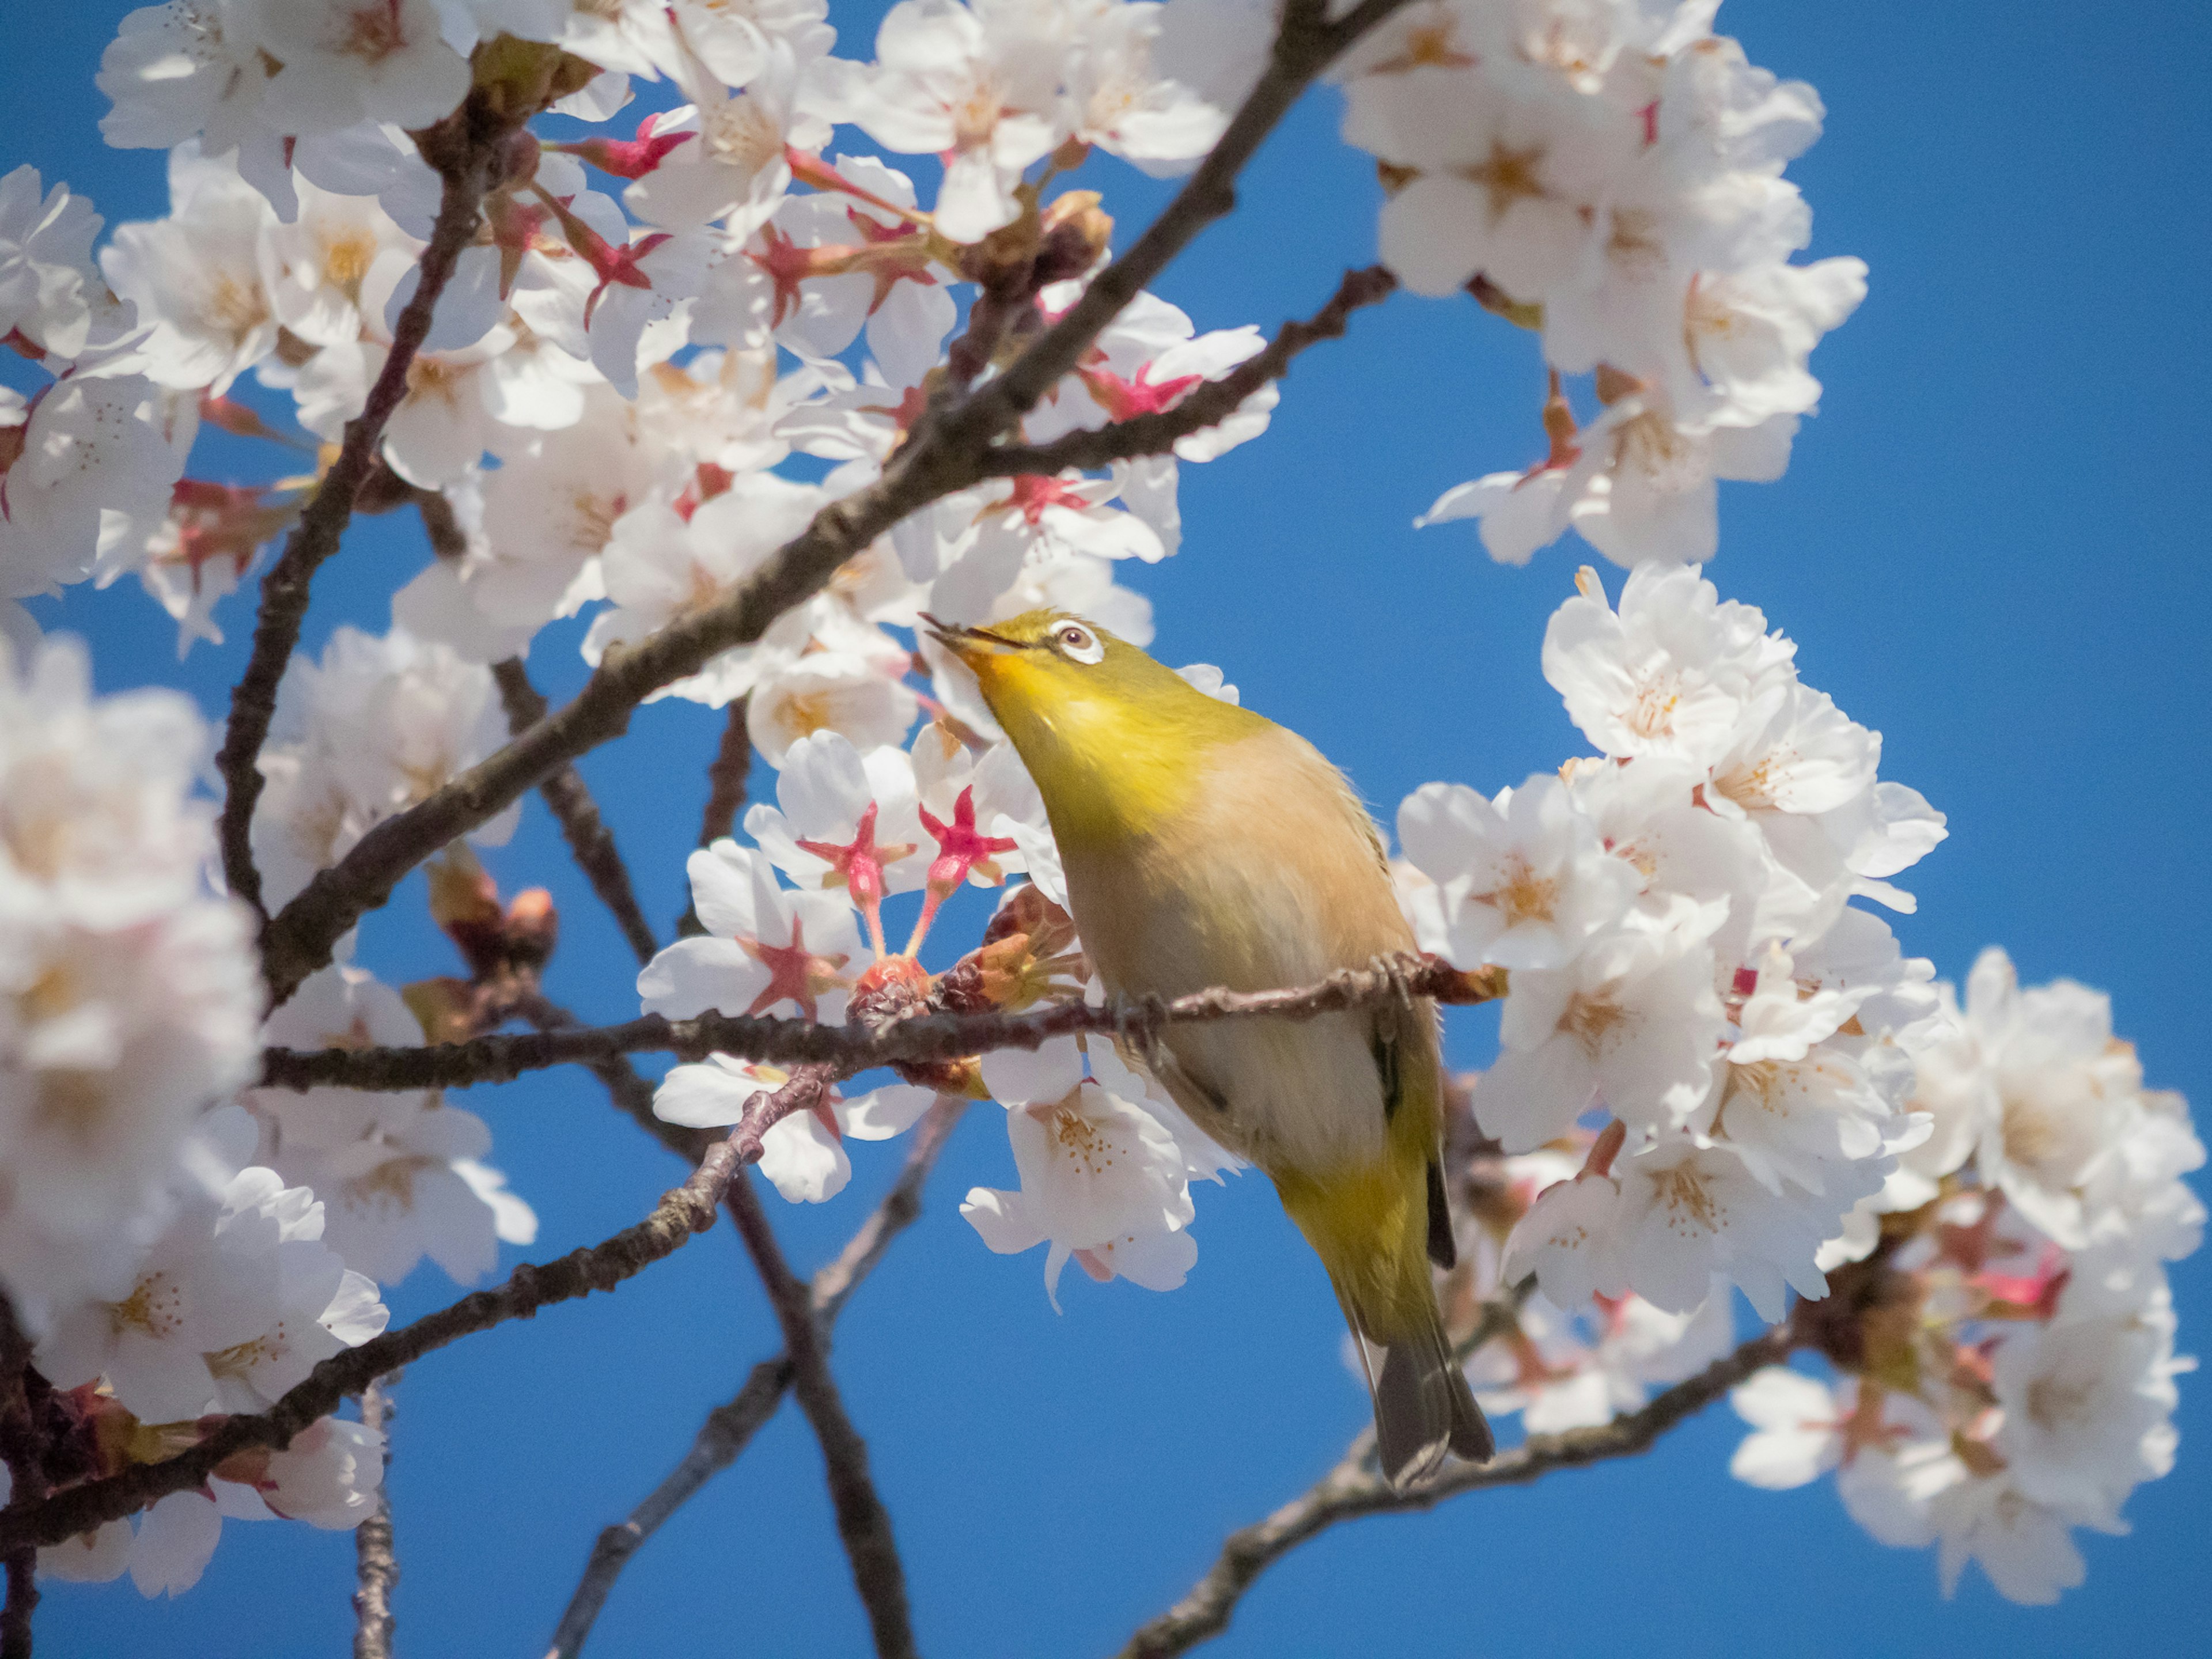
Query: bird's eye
{"points": [[1078, 643]]}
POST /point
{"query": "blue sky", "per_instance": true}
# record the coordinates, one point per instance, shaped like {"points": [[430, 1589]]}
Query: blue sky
{"points": [[1991, 546]]}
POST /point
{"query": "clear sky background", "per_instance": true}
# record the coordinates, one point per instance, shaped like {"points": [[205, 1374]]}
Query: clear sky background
{"points": [[1991, 547]]}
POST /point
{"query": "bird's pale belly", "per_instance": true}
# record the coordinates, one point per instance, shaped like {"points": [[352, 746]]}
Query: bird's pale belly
{"points": [[1286, 1095]]}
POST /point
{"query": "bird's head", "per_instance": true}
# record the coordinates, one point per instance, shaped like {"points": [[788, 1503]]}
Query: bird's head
{"points": [[1101, 726]]}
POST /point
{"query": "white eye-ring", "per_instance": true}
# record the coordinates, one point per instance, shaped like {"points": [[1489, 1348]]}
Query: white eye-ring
{"points": [[1078, 643]]}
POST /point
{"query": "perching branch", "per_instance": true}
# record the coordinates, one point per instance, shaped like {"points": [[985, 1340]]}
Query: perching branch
{"points": [[863, 1523], [468, 159], [499, 1058], [730, 1426], [682, 1211], [1351, 1489], [376, 1562], [1207, 405], [590, 842], [945, 453]]}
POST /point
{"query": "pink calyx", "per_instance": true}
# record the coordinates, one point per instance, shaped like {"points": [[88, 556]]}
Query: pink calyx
{"points": [[1033, 492], [961, 852], [795, 972], [1125, 399], [628, 158], [858, 868]]}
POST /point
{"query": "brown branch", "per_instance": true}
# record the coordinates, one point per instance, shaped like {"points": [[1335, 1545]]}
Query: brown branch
{"points": [[730, 1426], [938, 1037], [376, 1561], [1208, 404], [20, 1449], [591, 843], [725, 777], [1351, 1490], [725, 795], [943, 455], [863, 1523], [682, 1211], [466, 148]]}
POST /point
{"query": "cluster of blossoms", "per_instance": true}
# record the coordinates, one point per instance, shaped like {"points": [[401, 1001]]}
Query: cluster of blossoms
{"points": [[1675, 916], [2005, 1372], [1105, 1159], [1609, 176], [1715, 1071], [171, 1252]]}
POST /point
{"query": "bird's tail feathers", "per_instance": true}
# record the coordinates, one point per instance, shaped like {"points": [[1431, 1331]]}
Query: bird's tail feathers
{"points": [[1422, 1405]]}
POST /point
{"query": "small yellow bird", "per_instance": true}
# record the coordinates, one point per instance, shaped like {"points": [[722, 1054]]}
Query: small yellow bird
{"points": [[1207, 845]]}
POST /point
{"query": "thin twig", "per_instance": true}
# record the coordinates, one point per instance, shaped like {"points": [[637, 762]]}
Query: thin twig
{"points": [[863, 1523], [730, 1426], [1350, 1489], [725, 777], [591, 843], [376, 1561], [682, 1211], [725, 795], [467, 161], [501, 1057], [943, 454], [1207, 405]]}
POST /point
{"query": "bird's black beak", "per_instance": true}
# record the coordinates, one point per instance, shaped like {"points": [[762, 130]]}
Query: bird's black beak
{"points": [[966, 643]]}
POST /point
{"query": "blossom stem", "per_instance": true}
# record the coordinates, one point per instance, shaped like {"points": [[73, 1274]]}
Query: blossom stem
{"points": [[725, 794], [468, 167]]}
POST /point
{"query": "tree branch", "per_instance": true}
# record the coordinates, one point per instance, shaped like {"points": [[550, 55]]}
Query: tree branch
{"points": [[467, 161], [730, 1426], [376, 1561], [936, 1036], [682, 1211], [1208, 404], [944, 454], [1350, 1489], [20, 1449], [863, 1523], [590, 842]]}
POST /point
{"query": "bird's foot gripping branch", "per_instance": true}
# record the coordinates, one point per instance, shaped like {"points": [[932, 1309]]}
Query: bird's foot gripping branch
{"points": [[866, 476]]}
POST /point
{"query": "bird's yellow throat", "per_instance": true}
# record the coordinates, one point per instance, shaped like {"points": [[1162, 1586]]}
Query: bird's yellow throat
{"points": [[1115, 750]]}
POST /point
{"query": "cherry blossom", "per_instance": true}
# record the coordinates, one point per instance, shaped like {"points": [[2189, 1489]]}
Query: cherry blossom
{"points": [[802, 1155], [399, 1176], [978, 85], [1097, 1171], [367, 732], [659, 563], [346, 60], [768, 949], [46, 275], [201, 277], [1522, 883]]}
